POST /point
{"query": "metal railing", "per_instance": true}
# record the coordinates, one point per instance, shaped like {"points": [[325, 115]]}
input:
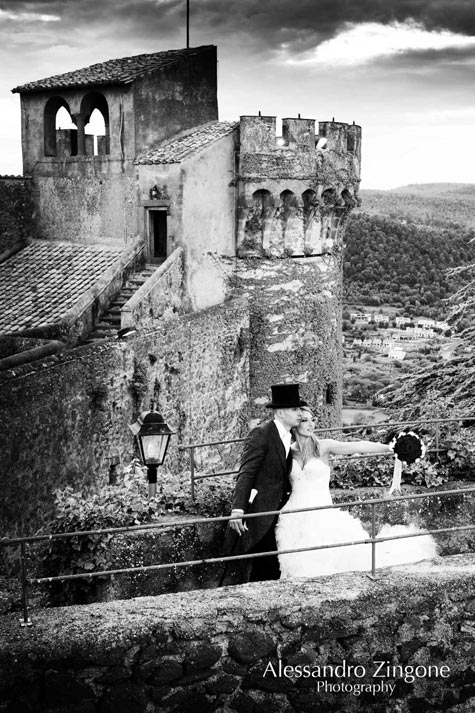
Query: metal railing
{"points": [[193, 447], [373, 540]]}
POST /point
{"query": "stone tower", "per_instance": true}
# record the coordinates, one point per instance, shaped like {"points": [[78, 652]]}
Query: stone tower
{"points": [[294, 194]]}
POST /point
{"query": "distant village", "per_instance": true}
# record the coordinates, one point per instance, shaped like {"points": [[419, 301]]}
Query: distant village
{"points": [[404, 329]]}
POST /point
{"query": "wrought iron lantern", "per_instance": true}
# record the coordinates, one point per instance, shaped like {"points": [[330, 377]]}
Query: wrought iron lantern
{"points": [[154, 194], [153, 436]]}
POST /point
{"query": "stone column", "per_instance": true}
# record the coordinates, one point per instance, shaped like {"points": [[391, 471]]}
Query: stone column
{"points": [[81, 120]]}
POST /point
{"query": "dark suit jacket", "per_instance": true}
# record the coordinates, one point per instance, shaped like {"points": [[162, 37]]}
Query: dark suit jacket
{"points": [[263, 467]]}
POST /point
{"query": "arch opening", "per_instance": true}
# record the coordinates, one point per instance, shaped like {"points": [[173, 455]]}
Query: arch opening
{"points": [[95, 110], [60, 132]]}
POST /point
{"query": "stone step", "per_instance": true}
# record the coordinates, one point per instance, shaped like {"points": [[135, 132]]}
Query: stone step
{"points": [[102, 334], [111, 321]]}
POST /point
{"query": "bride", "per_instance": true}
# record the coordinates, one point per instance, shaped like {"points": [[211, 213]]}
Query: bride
{"points": [[310, 479]]}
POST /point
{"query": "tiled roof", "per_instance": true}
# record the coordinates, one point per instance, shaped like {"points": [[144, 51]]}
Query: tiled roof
{"points": [[176, 149], [114, 71], [39, 284]]}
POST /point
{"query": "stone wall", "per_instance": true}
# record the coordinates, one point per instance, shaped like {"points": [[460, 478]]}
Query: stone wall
{"points": [[294, 192], [86, 199], [62, 424], [16, 212], [162, 295], [295, 307], [400, 644], [175, 97]]}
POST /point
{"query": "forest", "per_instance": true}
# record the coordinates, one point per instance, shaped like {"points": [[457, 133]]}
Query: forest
{"points": [[414, 269], [398, 261], [434, 204]]}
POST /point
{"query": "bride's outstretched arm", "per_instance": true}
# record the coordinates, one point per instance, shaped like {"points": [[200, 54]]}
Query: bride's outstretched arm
{"points": [[347, 448]]}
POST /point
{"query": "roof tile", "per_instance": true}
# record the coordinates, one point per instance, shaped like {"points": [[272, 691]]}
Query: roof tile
{"points": [[176, 149], [39, 284], [114, 71]]}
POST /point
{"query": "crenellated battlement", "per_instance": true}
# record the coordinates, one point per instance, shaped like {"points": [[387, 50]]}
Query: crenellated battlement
{"points": [[259, 136], [294, 191]]}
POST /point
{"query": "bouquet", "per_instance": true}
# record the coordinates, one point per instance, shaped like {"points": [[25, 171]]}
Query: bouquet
{"points": [[408, 448]]}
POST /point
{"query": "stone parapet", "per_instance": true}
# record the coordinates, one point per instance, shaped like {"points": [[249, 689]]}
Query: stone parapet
{"points": [[401, 643]]}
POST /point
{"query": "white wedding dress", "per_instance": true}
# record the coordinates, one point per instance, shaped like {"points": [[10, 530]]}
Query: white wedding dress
{"points": [[310, 488]]}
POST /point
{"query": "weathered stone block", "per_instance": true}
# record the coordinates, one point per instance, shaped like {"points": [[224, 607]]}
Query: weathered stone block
{"points": [[201, 656], [242, 703], [168, 670], [250, 646], [223, 683], [63, 689], [125, 698]]}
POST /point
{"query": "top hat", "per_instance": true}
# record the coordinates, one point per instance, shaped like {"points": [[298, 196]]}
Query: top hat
{"points": [[285, 396]]}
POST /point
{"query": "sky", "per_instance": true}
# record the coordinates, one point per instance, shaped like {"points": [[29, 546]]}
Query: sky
{"points": [[402, 69]]}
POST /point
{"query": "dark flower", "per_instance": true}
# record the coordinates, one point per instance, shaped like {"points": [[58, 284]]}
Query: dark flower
{"points": [[408, 447]]}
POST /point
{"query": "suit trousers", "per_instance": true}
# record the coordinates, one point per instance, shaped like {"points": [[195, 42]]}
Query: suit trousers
{"points": [[265, 568]]}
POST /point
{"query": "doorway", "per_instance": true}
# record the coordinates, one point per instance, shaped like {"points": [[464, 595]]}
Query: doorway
{"points": [[158, 234]]}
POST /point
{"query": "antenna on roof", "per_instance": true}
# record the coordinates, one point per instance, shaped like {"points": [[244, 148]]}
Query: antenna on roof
{"points": [[187, 24]]}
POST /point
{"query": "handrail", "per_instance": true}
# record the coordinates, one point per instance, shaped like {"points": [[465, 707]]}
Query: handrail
{"points": [[356, 427], [191, 447], [373, 540]]}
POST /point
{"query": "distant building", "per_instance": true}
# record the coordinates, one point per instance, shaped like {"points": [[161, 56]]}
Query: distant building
{"points": [[418, 333], [361, 317], [425, 323], [400, 321], [396, 353]]}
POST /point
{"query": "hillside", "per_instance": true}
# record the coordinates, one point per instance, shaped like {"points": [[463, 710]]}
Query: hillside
{"points": [[399, 248], [435, 204], [391, 262]]}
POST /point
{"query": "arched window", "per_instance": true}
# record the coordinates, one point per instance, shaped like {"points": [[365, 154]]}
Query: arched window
{"points": [[309, 200], [329, 196], [97, 129], [261, 203], [95, 107], [310, 205], [56, 114], [289, 199], [348, 198]]}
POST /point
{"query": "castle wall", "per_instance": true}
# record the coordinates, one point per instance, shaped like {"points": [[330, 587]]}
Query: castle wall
{"points": [[121, 124], [295, 328], [175, 98], [16, 212], [201, 214], [86, 199], [295, 191], [62, 424], [167, 178], [208, 209], [294, 195]]}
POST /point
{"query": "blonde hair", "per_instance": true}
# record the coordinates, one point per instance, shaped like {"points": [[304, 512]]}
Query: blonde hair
{"points": [[305, 447]]}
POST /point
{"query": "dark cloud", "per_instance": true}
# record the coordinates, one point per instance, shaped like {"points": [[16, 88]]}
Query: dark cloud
{"points": [[266, 24], [457, 57]]}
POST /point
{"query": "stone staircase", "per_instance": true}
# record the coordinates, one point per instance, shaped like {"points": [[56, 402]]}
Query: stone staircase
{"points": [[109, 323]]}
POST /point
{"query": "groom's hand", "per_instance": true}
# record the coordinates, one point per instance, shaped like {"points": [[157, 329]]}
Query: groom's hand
{"points": [[237, 525]]}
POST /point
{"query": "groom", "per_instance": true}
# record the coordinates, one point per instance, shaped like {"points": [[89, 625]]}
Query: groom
{"points": [[263, 480]]}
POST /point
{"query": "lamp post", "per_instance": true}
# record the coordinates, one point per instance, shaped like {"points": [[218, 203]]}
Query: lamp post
{"points": [[153, 435]]}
